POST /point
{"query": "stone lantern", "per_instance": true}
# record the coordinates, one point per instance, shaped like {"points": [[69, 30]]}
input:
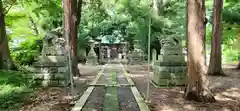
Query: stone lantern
{"points": [[92, 57], [99, 40]]}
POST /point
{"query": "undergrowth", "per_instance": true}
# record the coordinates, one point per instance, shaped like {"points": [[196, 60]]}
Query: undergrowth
{"points": [[15, 89]]}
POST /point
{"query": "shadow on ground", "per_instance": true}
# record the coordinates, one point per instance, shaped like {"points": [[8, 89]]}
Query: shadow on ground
{"points": [[226, 91]]}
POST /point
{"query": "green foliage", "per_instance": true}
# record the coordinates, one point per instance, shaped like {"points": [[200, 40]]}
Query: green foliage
{"points": [[230, 30], [27, 51], [29, 20], [127, 19], [130, 19], [230, 45], [14, 89]]}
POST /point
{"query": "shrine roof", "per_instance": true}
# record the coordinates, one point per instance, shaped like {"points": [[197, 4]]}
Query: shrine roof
{"points": [[106, 40]]}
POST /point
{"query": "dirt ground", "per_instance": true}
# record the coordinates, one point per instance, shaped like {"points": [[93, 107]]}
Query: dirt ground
{"points": [[226, 91], [56, 98]]}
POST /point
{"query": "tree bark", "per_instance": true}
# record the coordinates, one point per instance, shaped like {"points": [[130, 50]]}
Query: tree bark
{"points": [[72, 14], [5, 58], [197, 86], [238, 66], [215, 65]]}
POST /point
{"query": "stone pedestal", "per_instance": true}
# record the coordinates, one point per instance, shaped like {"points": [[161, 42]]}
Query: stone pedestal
{"points": [[170, 68], [136, 57], [51, 67], [51, 71], [119, 56]]}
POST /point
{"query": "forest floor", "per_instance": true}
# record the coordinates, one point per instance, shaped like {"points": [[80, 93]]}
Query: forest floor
{"points": [[226, 91]]}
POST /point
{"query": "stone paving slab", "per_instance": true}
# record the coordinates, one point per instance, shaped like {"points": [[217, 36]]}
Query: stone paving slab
{"points": [[114, 91], [121, 78], [95, 100], [127, 101]]}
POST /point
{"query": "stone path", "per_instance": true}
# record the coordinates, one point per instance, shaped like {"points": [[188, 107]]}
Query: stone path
{"points": [[111, 90]]}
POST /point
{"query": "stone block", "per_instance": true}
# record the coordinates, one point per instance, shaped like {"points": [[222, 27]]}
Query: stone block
{"points": [[40, 70], [44, 76], [60, 76], [53, 83], [161, 82], [175, 76], [162, 75], [32, 69], [169, 63], [169, 69], [45, 83], [49, 64], [53, 70], [171, 51], [55, 59], [181, 74], [62, 83], [38, 76], [62, 69], [172, 58]]}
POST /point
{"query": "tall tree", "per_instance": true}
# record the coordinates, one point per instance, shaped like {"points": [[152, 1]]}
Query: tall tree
{"points": [[5, 59], [197, 87], [72, 15], [215, 65]]}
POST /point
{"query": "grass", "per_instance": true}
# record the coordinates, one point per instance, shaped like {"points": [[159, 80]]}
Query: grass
{"points": [[111, 96], [113, 80], [15, 88], [111, 99]]}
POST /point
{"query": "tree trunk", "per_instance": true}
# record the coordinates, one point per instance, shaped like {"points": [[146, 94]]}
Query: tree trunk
{"points": [[238, 66], [5, 58], [215, 65], [71, 22], [197, 85]]}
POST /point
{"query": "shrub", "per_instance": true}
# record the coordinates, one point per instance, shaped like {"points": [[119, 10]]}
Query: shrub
{"points": [[26, 52], [15, 89]]}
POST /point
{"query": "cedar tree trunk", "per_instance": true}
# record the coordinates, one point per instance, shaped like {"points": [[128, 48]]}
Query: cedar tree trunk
{"points": [[5, 58], [72, 15], [197, 86], [215, 64]]}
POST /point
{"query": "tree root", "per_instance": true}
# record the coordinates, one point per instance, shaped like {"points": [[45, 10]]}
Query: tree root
{"points": [[238, 66], [217, 74], [194, 96]]}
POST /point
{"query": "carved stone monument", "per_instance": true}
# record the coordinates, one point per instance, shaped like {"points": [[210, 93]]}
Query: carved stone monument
{"points": [[170, 68], [137, 55], [51, 66]]}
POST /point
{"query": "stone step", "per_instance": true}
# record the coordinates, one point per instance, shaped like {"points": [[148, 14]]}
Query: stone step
{"points": [[168, 82], [169, 69], [48, 69]]}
